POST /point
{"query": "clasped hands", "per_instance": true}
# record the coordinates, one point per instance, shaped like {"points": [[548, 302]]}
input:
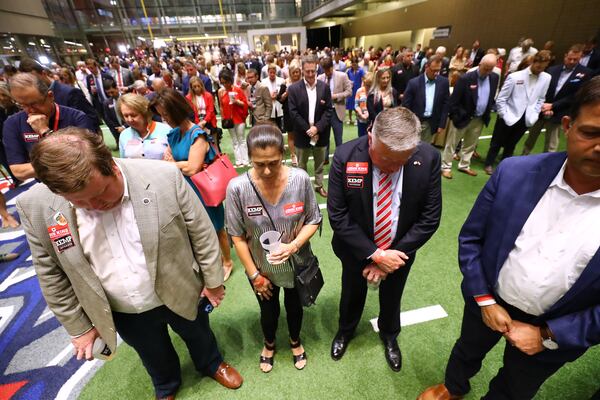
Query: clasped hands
{"points": [[525, 337], [384, 262]]}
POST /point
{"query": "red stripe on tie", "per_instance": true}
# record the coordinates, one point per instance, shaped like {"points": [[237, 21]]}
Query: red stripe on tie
{"points": [[385, 245], [383, 199], [381, 228]]}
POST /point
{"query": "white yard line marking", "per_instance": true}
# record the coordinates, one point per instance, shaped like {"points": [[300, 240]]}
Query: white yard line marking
{"points": [[65, 391], [59, 357], [417, 316]]}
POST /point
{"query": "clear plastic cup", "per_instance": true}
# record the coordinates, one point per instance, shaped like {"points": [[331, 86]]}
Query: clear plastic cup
{"points": [[270, 242]]}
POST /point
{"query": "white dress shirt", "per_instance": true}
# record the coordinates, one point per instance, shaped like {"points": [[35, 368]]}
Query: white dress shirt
{"points": [[556, 243], [397, 179], [311, 91], [111, 242]]}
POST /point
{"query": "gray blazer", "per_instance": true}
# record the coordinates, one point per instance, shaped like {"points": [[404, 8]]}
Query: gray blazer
{"points": [[179, 241]]}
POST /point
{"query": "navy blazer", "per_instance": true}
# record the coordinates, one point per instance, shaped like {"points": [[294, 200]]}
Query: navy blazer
{"points": [[298, 112], [110, 118], [205, 80], [561, 101], [73, 97], [350, 202], [490, 232], [90, 81], [414, 100], [463, 101]]}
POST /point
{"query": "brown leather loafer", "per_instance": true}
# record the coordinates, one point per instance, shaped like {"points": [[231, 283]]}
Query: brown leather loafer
{"points": [[437, 392], [322, 192], [446, 173], [467, 171], [227, 376]]}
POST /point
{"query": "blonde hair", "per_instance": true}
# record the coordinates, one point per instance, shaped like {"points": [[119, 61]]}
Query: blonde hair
{"points": [[378, 94], [137, 103]]}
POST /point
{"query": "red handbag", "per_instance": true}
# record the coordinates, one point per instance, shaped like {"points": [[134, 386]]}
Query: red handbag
{"points": [[213, 180]]}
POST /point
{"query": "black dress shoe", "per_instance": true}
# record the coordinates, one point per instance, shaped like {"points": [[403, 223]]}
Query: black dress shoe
{"points": [[392, 354], [339, 346]]}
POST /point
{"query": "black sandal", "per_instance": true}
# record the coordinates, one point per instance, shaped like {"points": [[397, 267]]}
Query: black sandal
{"points": [[298, 358], [267, 360]]}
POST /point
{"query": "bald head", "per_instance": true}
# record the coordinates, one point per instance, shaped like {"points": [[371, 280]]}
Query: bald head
{"points": [[487, 64], [158, 84]]}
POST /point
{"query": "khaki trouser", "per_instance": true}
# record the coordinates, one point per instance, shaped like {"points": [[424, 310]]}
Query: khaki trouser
{"points": [[470, 134], [319, 154], [552, 136]]}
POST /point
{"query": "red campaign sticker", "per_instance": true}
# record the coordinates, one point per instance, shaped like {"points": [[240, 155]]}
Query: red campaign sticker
{"points": [[355, 182], [31, 137], [293, 208], [61, 236], [357, 167], [254, 211]]}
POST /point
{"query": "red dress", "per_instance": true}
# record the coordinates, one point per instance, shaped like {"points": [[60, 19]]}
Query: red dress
{"points": [[233, 111]]}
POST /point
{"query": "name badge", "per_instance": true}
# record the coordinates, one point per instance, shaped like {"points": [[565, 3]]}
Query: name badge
{"points": [[254, 211], [60, 233], [31, 137], [520, 82], [357, 168], [355, 182], [293, 208]]}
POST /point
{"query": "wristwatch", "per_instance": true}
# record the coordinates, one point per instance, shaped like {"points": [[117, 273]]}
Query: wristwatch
{"points": [[547, 339]]}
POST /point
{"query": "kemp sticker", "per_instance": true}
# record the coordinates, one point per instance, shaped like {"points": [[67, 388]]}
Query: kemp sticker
{"points": [[60, 234], [254, 211], [357, 168], [355, 182], [293, 208], [31, 137]]}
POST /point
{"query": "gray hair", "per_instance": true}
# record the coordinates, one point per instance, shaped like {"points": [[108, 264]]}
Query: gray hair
{"points": [[27, 80], [398, 128], [310, 59], [139, 84]]}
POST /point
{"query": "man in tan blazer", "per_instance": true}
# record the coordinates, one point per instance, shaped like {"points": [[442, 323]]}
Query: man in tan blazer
{"points": [[341, 88], [259, 98], [124, 246]]}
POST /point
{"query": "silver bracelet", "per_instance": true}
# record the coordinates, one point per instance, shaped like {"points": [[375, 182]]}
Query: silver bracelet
{"points": [[254, 275]]}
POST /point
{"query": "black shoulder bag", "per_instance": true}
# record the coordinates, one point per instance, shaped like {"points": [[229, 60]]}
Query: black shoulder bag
{"points": [[308, 277]]}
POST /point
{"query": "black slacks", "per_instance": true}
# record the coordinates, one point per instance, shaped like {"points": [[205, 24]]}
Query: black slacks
{"points": [[506, 137], [354, 294], [147, 333], [519, 378], [270, 310]]}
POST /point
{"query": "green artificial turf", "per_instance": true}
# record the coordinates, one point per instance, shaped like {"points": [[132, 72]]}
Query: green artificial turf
{"points": [[363, 372]]}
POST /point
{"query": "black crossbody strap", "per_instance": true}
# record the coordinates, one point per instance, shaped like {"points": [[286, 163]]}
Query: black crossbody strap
{"points": [[261, 200]]}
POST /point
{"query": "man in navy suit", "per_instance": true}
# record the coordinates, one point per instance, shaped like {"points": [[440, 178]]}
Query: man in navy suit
{"points": [[310, 107], [385, 203], [470, 106], [95, 84], [566, 80], [427, 96], [64, 95], [529, 254], [192, 70]]}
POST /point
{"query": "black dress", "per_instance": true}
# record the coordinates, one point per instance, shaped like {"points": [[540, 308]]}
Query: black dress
{"points": [[287, 121]]}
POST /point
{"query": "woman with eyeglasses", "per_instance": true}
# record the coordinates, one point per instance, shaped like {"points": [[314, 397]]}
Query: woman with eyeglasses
{"points": [[285, 194]]}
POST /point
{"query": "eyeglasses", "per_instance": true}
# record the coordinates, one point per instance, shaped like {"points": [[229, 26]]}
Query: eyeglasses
{"points": [[33, 104]]}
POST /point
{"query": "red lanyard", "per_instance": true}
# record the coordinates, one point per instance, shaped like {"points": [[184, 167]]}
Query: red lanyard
{"points": [[56, 117]]}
